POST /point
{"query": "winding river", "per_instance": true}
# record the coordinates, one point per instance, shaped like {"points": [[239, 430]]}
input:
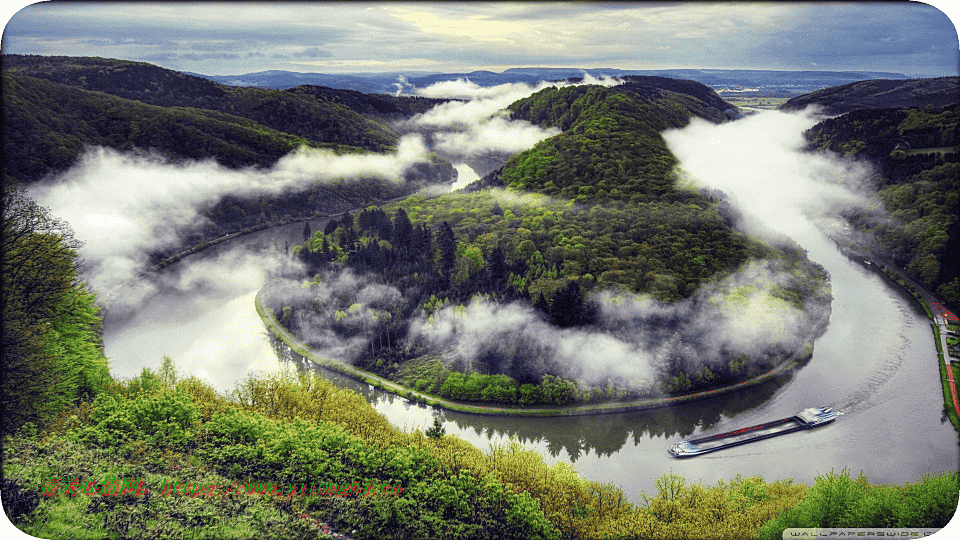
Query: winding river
{"points": [[876, 363]]}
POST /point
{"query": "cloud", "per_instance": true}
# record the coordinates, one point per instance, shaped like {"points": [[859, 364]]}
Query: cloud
{"points": [[125, 206], [760, 163], [340, 314], [312, 52], [476, 123], [635, 340]]}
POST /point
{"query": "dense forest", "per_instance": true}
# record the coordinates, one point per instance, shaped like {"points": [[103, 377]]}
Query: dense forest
{"points": [[594, 211], [917, 162], [56, 108]]}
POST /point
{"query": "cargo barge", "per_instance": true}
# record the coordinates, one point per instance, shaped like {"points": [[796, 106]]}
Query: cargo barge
{"points": [[805, 419]]}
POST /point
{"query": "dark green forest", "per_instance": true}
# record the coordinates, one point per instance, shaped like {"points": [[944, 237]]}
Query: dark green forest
{"points": [[55, 108], [596, 208], [917, 177]]}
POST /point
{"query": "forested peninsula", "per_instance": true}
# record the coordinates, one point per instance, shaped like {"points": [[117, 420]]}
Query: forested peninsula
{"points": [[589, 241]]}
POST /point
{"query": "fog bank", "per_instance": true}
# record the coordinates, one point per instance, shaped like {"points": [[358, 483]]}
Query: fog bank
{"points": [[125, 206]]}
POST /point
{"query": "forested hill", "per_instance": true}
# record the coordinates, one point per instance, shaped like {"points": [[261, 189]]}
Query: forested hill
{"points": [[56, 107], [611, 147], [298, 114], [915, 152], [880, 94], [592, 211], [47, 125], [53, 106]]}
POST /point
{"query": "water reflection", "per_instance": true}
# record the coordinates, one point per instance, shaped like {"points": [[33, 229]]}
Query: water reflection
{"points": [[570, 437]]}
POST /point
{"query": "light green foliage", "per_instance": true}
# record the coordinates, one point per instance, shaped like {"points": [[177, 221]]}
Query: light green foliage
{"points": [[51, 344], [837, 500], [155, 418]]}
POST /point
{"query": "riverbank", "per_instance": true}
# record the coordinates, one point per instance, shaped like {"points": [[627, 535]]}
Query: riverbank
{"points": [[297, 346], [916, 290]]}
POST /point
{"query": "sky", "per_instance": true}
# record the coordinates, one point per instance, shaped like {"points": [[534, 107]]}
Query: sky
{"points": [[915, 39]]}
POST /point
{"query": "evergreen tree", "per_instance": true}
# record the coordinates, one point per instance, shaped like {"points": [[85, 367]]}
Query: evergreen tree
{"points": [[402, 233], [497, 264], [568, 307], [447, 242]]}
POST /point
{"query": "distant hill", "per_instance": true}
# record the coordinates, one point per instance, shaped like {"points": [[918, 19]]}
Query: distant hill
{"points": [[611, 148], [880, 94], [379, 83], [389, 83], [299, 114], [56, 107], [715, 78], [47, 125]]}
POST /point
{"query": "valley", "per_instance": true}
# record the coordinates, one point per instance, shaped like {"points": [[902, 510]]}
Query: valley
{"points": [[601, 267]]}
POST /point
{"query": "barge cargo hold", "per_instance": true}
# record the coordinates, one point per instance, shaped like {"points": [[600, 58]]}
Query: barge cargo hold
{"points": [[805, 419]]}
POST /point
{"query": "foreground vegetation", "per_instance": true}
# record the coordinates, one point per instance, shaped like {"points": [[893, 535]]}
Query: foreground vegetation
{"points": [[294, 430]]}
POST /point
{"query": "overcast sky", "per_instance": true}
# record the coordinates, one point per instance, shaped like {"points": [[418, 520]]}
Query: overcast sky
{"points": [[226, 39]]}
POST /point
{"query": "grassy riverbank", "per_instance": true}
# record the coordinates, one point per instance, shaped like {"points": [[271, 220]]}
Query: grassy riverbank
{"points": [[948, 407]]}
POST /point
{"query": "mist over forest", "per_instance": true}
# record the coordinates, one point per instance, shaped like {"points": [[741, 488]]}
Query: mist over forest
{"points": [[489, 242]]}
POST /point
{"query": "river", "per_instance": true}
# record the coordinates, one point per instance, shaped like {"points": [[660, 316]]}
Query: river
{"points": [[876, 363]]}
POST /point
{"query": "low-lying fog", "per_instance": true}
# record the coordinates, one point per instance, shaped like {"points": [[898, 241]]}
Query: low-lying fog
{"points": [[123, 206]]}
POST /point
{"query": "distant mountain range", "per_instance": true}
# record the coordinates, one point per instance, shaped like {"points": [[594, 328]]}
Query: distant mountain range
{"points": [[393, 82]]}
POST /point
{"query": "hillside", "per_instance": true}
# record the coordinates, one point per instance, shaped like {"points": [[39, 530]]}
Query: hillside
{"points": [[297, 113], [880, 94], [915, 153], [47, 125], [54, 108], [611, 148]]}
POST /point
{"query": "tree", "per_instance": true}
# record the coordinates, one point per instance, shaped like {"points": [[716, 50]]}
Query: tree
{"points": [[402, 232], [447, 242], [52, 347], [436, 431], [306, 231], [498, 267], [568, 307], [168, 371]]}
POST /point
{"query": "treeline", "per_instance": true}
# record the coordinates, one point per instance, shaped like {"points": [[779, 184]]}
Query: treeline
{"points": [[375, 105], [879, 94], [918, 182], [299, 114], [52, 350], [46, 126]]}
